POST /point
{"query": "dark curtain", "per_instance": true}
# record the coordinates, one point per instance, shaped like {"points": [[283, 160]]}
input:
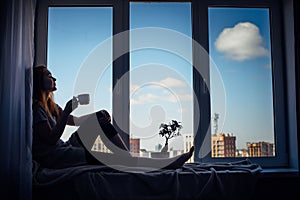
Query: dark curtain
{"points": [[297, 63], [16, 60]]}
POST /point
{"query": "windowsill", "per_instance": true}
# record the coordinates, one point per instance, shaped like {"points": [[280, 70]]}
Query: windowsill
{"points": [[279, 172]]}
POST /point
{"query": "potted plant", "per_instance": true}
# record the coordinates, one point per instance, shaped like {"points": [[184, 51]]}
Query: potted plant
{"points": [[168, 131]]}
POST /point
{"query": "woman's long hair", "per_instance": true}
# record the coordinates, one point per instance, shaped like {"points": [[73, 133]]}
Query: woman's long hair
{"points": [[40, 97]]}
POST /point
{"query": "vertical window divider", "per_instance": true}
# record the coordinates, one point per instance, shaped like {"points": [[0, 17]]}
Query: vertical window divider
{"points": [[120, 106], [202, 141]]}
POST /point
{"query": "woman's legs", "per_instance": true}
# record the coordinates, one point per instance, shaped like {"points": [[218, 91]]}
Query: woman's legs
{"points": [[166, 163], [90, 130], [110, 159], [113, 139], [118, 141], [98, 124]]}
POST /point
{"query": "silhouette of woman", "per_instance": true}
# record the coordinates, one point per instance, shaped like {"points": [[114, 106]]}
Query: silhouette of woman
{"points": [[50, 120]]}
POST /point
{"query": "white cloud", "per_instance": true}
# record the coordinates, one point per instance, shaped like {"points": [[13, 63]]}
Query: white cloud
{"points": [[181, 97], [241, 42], [166, 83], [149, 98], [143, 99], [172, 82], [186, 97], [161, 85]]}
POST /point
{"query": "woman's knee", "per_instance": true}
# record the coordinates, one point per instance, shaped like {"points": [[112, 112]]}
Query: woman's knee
{"points": [[104, 120], [103, 116]]}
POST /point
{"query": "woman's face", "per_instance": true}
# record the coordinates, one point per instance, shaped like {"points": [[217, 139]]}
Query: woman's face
{"points": [[49, 84]]}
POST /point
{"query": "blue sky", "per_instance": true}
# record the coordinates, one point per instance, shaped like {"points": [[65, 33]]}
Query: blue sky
{"points": [[72, 34], [75, 32], [170, 72], [247, 74]]}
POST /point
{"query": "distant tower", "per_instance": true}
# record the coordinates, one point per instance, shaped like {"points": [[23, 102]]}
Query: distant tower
{"points": [[215, 119]]}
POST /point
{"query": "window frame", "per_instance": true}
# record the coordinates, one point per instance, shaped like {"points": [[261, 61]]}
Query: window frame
{"points": [[283, 57], [280, 113], [120, 24]]}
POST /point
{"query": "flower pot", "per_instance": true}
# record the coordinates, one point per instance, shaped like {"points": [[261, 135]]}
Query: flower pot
{"points": [[160, 154]]}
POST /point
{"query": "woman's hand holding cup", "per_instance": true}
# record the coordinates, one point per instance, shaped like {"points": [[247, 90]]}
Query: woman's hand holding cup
{"points": [[83, 99]]}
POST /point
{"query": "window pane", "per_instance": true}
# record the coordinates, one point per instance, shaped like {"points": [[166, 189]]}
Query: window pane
{"points": [[160, 81], [73, 34], [241, 82]]}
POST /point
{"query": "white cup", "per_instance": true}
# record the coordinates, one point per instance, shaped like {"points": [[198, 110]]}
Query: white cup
{"points": [[83, 99]]}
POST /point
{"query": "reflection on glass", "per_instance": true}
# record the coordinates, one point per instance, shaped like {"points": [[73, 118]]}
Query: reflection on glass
{"points": [[73, 35], [160, 82], [242, 103]]}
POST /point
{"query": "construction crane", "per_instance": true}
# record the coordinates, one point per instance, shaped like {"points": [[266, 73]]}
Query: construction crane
{"points": [[215, 125]]}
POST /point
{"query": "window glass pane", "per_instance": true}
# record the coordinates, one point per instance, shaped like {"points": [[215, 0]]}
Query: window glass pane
{"points": [[74, 33], [160, 80], [241, 82]]}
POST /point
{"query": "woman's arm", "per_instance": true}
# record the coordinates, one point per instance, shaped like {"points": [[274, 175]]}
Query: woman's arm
{"points": [[52, 135], [77, 121], [71, 120]]}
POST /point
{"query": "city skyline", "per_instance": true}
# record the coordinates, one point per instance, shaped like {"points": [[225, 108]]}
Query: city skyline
{"points": [[221, 147]]}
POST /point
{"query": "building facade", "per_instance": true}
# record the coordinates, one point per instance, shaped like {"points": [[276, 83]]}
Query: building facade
{"points": [[260, 149], [135, 146], [223, 145]]}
